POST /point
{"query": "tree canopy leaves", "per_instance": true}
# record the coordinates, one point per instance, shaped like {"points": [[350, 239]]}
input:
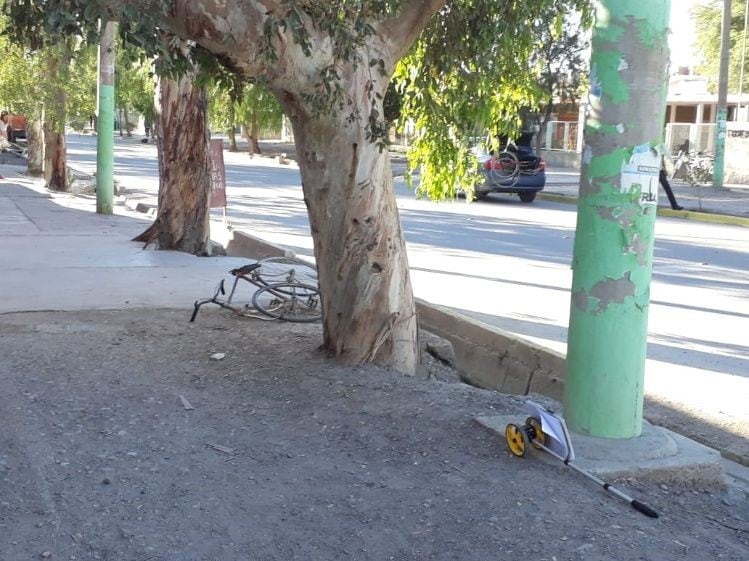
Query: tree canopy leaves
{"points": [[471, 74], [471, 71], [708, 23]]}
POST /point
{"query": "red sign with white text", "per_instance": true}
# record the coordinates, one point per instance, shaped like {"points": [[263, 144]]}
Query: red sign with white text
{"points": [[218, 174]]}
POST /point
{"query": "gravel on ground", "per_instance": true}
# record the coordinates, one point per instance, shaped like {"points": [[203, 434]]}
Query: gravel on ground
{"points": [[135, 435]]}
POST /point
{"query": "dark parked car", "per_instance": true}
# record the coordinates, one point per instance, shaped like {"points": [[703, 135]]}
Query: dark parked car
{"points": [[520, 171]]}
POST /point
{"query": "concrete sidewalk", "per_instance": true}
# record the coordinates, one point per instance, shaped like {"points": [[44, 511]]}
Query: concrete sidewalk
{"points": [[729, 205], [59, 255]]}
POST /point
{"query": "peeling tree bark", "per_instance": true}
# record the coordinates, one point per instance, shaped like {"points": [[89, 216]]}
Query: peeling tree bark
{"points": [[35, 143], [55, 166], [182, 220], [368, 305], [55, 155], [250, 133]]}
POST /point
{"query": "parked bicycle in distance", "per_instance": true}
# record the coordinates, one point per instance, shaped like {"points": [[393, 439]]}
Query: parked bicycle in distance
{"points": [[696, 168], [287, 290]]}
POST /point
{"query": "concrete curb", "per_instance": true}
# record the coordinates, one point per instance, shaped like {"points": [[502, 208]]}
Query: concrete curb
{"points": [[136, 205], [491, 358], [240, 244], [686, 214]]}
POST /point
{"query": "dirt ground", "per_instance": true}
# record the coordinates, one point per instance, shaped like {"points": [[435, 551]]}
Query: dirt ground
{"points": [[123, 439]]}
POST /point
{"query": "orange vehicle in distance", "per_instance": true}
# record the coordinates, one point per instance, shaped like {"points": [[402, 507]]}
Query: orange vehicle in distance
{"points": [[16, 127]]}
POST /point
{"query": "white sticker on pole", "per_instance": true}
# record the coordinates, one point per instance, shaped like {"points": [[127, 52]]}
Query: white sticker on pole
{"points": [[641, 174]]}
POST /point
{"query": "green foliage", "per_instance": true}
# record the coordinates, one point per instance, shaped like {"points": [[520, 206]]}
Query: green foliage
{"points": [[30, 81], [392, 104], [18, 79], [81, 87], [562, 38], [260, 104], [221, 108], [708, 23], [229, 107], [134, 85], [473, 73]]}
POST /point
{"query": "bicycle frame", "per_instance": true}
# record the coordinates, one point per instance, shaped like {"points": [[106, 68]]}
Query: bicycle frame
{"points": [[250, 273], [220, 290]]}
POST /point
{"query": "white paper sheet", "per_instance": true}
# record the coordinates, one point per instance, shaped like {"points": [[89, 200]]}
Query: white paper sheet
{"points": [[555, 429]]}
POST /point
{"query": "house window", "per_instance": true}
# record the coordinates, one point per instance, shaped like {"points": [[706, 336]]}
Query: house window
{"points": [[686, 114]]}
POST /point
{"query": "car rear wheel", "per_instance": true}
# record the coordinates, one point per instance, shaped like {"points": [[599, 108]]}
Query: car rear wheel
{"points": [[527, 196], [479, 195]]}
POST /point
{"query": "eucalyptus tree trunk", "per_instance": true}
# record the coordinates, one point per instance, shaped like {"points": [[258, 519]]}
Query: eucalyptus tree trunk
{"points": [[232, 139], [55, 155], [369, 312], [182, 220], [128, 130], [55, 160], [368, 305], [35, 144], [250, 133]]}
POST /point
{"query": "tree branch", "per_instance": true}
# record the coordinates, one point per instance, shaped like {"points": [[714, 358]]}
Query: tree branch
{"points": [[401, 30], [224, 27]]}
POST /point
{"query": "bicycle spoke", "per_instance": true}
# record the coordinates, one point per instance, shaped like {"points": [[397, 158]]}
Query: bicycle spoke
{"points": [[504, 169], [289, 302]]}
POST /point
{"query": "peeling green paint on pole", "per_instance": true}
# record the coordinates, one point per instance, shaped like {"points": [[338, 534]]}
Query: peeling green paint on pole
{"points": [[105, 122], [719, 165], [617, 203]]}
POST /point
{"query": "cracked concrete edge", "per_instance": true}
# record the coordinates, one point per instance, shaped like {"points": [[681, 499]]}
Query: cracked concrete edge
{"points": [[491, 358], [685, 214]]}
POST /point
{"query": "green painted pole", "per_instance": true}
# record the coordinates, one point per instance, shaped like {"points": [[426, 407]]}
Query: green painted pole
{"points": [[105, 122], [719, 165], [617, 202]]}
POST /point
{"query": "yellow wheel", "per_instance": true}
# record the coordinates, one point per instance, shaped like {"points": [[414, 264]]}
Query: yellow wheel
{"points": [[517, 440], [535, 433]]}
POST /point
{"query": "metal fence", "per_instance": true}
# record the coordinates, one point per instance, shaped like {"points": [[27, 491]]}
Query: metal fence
{"points": [[561, 135], [689, 137]]}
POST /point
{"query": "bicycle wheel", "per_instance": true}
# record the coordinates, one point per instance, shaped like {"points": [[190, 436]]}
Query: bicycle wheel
{"points": [[289, 301], [504, 169], [274, 270]]}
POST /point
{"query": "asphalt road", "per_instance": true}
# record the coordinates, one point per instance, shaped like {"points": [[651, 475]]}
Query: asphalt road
{"points": [[508, 264]]}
